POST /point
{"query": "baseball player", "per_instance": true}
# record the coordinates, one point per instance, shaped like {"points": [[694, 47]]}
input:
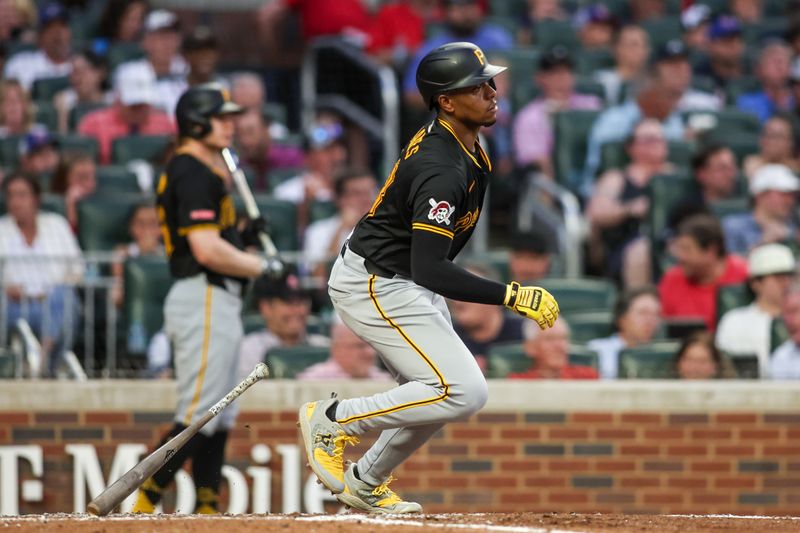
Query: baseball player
{"points": [[202, 310], [390, 283]]}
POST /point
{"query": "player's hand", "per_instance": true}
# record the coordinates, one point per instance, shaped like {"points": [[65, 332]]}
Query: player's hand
{"points": [[532, 302], [251, 231]]}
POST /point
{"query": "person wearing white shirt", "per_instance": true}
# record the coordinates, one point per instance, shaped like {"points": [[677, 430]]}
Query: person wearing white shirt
{"points": [[746, 330], [785, 362], [637, 319], [355, 191], [39, 262], [51, 59]]}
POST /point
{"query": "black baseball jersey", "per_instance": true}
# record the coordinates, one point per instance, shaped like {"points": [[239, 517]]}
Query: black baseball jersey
{"points": [[437, 186], [192, 196]]}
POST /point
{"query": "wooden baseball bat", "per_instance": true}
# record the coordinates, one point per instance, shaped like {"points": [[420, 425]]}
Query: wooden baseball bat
{"points": [[107, 500]]}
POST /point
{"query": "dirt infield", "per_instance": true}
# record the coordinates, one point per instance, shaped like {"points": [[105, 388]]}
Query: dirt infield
{"points": [[357, 523]]}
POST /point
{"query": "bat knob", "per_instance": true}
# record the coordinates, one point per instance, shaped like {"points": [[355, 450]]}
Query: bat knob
{"points": [[273, 268]]}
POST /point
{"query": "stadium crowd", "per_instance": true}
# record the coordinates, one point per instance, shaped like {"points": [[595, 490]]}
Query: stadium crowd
{"points": [[673, 123]]}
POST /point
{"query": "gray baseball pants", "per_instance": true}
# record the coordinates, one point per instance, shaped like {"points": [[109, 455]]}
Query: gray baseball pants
{"points": [[203, 325], [410, 327]]}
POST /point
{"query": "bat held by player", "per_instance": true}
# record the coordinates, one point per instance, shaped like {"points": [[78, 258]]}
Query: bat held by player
{"points": [[107, 500]]}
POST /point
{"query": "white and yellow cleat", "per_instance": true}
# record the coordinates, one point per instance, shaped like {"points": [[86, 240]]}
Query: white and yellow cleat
{"points": [[324, 441], [376, 500]]}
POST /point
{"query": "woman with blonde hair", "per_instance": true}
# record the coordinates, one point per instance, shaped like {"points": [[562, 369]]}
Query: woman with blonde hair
{"points": [[16, 110]]}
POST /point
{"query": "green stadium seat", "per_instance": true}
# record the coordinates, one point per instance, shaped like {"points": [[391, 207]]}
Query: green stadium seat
{"points": [[523, 63], [505, 359], [286, 363], [46, 115], [614, 156], [549, 33], [587, 85], [580, 355], [571, 132], [9, 152], [741, 143], [275, 112], [745, 365], [54, 203], [282, 217], [45, 89], [590, 325], [278, 175], [148, 147], [734, 88], [662, 29], [732, 296], [651, 361], [72, 143], [147, 282], [778, 334], [508, 8], [80, 110], [510, 24], [590, 61], [768, 27], [122, 52], [322, 210], [664, 191], [775, 8], [116, 178], [731, 206], [729, 119], [103, 220], [252, 322], [581, 294], [8, 363]]}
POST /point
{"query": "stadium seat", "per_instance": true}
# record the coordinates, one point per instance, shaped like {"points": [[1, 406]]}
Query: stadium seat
{"points": [[778, 334], [732, 296], [116, 178], [571, 132], [71, 143], [278, 175], [147, 282], [282, 216], [745, 365], [121, 52], [590, 325], [9, 151], [79, 111], [286, 363], [54, 203], [275, 112], [730, 206], [581, 294], [587, 85], [740, 142], [151, 148], [45, 114], [664, 191], [662, 29], [322, 210], [729, 119], [508, 8], [590, 61], [613, 154], [734, 88], [768, 28], [505, 359], [580, 355], [549, 33], [652, 361], [44, 89], [8, 363], [103, 220], [252, 321], [523, 62]]}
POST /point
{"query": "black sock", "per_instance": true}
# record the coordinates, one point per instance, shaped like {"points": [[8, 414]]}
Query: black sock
{"points": [[166, 473], [208, 459], [355, 473], [331, 411]]}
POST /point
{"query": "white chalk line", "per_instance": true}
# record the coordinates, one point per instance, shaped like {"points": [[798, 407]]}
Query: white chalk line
{"points": [[739, 516]]}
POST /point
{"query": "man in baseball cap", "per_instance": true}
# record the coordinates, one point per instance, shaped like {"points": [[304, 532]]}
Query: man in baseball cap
{"points": [[746, 330], [725, 51], [38, 152], [672, 68], [595, 25], [694, 23], [773, 190]]}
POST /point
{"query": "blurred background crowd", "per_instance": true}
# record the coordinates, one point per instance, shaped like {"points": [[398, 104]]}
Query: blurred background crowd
{"points": [[645, 158]]}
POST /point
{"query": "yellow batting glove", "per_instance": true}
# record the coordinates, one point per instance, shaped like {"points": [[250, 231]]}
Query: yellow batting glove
{"points": [[532, 302]]}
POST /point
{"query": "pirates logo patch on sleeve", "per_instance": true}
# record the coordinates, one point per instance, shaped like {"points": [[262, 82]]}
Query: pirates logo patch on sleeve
{"points": [[440, 211]]}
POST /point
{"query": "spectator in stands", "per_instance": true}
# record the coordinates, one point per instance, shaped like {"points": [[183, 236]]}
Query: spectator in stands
{"points": [[595, 26], [145, 235], [257, 150], [643, 10], [351, 357], [689, 289], [122, 21], [483, 326], [747, 330], [75, 179], [714, 170], [131, 114], [620, 204], [42, 262], [161, 44], [549, 350], [530, 255], [398, 29], [636, 320], [355, 191], [694, 23], [500, 136], [51, 58], [652, 100], [285, 307], [538, 11], [16, 110], [463, 22], [201, 50], [556, 78], [17, 19], [747, 11], [726, 49], [775, 95], [698, 358], [348, 18], [776, 146], [38, 153], [247, 90], [631, 48], [88, 86], [772, 217], [785, 360], [673, 70]]}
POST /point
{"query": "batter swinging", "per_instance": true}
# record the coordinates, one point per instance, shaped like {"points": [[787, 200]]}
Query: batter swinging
{"points": [[390, 283]]}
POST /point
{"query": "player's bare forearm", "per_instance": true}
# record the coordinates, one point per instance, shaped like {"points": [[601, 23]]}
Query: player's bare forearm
{"points": [[215, 253]]}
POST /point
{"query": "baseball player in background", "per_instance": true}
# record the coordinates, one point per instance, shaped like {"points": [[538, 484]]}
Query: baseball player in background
{"points": [[210, 267], [390, 283]]}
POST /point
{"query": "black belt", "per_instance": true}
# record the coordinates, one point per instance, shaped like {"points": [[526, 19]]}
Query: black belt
{"points": [[371, 267]]}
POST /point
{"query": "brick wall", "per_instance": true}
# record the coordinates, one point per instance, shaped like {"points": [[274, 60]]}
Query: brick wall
{"points": [[679, 461]]}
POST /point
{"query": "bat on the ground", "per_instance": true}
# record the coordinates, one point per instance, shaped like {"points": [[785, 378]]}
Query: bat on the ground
{"points": [[240, 180], [107, 500]]}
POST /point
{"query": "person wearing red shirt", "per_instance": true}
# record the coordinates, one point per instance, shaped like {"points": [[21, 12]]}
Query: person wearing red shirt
{"points": [[549, 350], [399, 29], [689, 289]]}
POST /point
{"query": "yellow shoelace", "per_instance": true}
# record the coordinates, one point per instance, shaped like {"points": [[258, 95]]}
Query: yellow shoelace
{"points": [[390, 496], [339, 443]]}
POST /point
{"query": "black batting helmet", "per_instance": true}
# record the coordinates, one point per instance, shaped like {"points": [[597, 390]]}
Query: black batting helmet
{"points": [[198, 104], [453, 66]]}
